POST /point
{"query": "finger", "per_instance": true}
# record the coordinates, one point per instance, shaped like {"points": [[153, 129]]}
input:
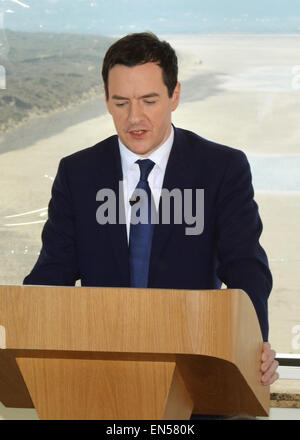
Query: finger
{"points": [[267, 350], [270, 372], [266, 345], [268, 362], [268, 355], [271, 380]]}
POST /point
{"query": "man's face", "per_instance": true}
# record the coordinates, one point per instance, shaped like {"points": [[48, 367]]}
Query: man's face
{"points": [[140, 106]]}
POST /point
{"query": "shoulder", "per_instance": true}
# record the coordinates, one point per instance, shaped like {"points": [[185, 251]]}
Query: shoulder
{"points": [[91, 159], [90, 164], [196, 145], [103, 147], [212, 158]]}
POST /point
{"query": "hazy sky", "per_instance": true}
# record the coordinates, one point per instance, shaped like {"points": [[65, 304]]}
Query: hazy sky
{"points": [[164, 16]]}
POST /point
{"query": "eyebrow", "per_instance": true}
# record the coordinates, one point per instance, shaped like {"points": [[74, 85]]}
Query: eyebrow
{"points": [[149, 95]]}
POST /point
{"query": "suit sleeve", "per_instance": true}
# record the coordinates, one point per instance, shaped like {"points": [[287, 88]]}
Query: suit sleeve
{"points": [[57, 263], [243, 262]]}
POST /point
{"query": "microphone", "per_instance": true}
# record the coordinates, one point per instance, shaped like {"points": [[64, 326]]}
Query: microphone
{"points": [[133, 202]]}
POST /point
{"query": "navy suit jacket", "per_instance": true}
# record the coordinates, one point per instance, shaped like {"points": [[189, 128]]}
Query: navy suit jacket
{"points": [[76, 246]]}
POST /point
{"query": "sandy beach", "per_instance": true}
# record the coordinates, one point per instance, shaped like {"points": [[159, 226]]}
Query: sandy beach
{"points": [[226, 97]]}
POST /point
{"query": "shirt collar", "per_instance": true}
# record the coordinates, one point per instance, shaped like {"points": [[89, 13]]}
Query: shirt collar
{"points": [[159, 156]]}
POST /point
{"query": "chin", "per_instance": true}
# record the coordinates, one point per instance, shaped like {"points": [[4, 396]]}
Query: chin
{"points": [[140, 149]]}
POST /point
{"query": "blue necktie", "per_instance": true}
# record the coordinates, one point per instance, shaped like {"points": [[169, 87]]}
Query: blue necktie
{"points": [[140, 236]]}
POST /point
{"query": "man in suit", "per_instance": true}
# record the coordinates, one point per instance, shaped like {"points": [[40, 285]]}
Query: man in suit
{"points": [[150, 154]]}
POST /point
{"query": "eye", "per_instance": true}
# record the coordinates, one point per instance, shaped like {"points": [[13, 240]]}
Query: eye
{"points": [[150, 102], [121, 104]]}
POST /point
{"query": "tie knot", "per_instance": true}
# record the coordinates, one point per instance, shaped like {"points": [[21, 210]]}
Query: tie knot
{"points": [[146, 166]]}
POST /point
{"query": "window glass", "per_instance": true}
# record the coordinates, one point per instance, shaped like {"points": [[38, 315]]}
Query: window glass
{"points": [[240, 73]]}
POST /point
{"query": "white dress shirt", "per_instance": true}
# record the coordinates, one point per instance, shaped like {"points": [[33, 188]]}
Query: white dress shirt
{"points": [[131, 173]]}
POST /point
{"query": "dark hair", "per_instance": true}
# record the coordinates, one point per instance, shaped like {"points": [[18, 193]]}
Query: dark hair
{"points": [[142, 48]]}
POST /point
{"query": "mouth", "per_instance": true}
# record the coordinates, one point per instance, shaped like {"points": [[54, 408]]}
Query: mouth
{"points": [[138, 134]]}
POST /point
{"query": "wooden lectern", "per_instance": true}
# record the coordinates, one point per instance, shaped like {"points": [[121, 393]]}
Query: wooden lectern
{"points": [[125, 353]]}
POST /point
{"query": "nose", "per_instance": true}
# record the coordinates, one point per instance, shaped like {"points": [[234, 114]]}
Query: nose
{"points": [[135, 113]]}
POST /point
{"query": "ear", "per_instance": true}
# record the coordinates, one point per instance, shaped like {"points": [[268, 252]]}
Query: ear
{"points": [[176, 96]]}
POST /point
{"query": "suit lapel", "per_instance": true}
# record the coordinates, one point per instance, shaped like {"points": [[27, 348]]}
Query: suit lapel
{"points": [[178, 175], [110, 177]]}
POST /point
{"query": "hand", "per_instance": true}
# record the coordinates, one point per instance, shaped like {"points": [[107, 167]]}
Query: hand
{"points": [[268, 365]]}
